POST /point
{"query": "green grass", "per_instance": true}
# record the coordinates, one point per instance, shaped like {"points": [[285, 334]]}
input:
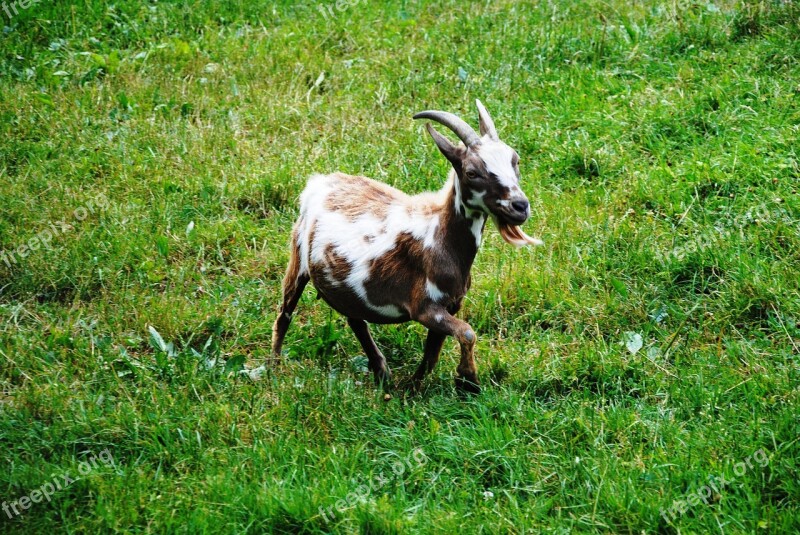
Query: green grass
{"points": [[659, 146]]}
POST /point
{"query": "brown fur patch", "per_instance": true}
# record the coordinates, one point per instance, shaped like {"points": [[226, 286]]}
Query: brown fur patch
{"points": [[337, 265], [358, 195], [424, 210], [392, 274]]}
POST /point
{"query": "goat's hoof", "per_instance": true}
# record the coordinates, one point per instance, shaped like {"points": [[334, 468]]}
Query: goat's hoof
{"points": [[470, 386], [415, 385], [383, 378]]}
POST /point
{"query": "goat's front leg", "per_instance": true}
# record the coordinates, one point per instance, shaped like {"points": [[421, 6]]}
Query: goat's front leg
{"points": [[433, 347], [439, 320]]}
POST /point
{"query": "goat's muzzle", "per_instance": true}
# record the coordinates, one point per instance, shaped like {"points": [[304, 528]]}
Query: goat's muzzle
{"points": [[516, 212]]}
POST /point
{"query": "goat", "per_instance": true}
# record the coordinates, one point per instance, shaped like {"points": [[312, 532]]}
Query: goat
{"points": [[378, 255]]}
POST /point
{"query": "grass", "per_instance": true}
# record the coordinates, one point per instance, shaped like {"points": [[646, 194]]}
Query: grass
{"points": [[647, 354]]}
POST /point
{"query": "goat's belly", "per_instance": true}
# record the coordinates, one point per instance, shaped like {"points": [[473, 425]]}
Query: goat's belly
{"points": [[347, 302]]}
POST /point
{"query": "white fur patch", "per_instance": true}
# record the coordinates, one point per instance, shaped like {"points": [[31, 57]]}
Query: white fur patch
{"points": [[313, 196], [476, 201], [433, 291], [497, 156], [477, 229], [456, 187]]}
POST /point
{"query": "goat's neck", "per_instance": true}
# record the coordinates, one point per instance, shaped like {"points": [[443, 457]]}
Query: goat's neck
{"points": [[461, 227]]}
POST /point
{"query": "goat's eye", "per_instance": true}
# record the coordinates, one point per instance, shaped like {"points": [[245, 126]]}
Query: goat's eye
{"points": [[472, 175]]}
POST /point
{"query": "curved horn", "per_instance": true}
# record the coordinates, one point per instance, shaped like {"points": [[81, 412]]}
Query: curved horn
{"points": [[487, 125], [454, 123]]}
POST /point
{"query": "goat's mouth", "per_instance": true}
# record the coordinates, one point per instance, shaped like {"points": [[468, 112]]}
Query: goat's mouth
{"points": [[508, 217], [513, 234]]}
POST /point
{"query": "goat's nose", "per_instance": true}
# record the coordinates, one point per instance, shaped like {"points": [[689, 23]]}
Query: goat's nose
{"points": [[520, 206]]}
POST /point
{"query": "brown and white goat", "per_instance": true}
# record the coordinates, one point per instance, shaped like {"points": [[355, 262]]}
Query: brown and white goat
{"points": [[378, 255]]}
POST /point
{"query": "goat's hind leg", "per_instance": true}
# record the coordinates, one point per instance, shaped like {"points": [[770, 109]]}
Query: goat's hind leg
{"points": [[377, 362], [293, 284]]}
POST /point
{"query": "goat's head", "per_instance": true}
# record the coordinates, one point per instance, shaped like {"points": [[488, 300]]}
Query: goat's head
{"points": [[487, 172]]}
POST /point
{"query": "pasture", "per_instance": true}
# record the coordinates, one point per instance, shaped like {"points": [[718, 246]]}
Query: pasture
{"points": [[640, 371]]}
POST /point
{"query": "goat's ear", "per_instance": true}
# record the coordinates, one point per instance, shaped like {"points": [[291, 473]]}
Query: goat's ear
{"points": [[450, 151], [487, 125]]}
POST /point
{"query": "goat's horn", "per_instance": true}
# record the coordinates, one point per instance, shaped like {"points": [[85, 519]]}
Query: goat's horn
{"points": [[454, 123], [487, 125]]}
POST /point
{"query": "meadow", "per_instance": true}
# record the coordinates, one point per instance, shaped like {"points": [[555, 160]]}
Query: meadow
{"points": [[640, 370]]}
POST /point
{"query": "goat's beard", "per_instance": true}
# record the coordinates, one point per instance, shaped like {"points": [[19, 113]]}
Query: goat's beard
{"points": [[515, 236]]}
